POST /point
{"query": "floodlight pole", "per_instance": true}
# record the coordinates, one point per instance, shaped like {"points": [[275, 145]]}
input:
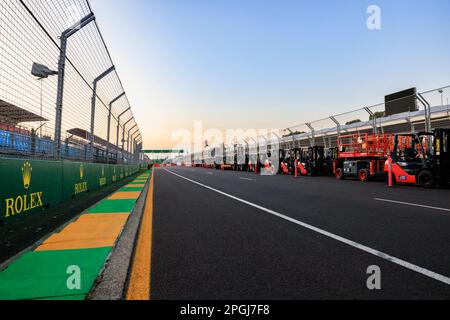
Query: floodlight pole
{"points": [[109, 123], [61, 73], [93, 102], [442, 96]]}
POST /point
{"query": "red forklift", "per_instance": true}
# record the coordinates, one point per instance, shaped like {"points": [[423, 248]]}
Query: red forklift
{"points": [[362, 156], [253, 159], [421, 159], [312, 162], [289, 158], [285, 160]]}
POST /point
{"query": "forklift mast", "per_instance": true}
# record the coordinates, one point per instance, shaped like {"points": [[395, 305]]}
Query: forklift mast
{"points": [[442, 155], [333, 154], [442, 145], [316, 153]]}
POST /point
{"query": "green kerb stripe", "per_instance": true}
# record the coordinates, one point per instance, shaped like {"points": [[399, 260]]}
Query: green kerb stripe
{"points": [[43, 275], [131, 189], [114, 206]]}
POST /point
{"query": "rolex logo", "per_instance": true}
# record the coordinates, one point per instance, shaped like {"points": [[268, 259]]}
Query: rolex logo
{"points": [[26, 174], [81, 172]]}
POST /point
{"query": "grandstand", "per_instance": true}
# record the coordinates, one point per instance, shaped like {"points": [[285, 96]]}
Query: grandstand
{"points": [[92, 106]]}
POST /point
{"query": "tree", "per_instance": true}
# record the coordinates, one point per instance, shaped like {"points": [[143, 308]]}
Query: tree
{"points": [[377, 115], [353, 122], [296, 133]]}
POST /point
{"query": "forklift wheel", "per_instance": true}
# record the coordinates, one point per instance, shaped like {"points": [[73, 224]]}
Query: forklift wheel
{"points": [[364, 175], [339, 174], [426, 179]]}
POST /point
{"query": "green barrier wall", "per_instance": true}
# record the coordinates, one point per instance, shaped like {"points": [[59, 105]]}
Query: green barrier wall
{"points": [[30, 186]]}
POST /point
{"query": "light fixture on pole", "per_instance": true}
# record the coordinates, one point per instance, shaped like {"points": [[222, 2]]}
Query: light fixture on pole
{"points": [[41, 72]]}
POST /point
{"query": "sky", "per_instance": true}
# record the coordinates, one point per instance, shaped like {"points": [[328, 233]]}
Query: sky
{"points": [[268, 64]]}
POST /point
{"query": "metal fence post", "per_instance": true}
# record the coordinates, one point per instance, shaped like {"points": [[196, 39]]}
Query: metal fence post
{"points": [[109, 124], [123, 138], [132, 141], [338, 126], [93, 103], [426, 104], [313, 134], [61, 73], [139, 148], [374, 120], [138, 140], [118, 128], [129, 140]]}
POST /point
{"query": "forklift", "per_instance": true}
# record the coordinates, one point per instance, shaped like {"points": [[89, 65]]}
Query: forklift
{"points": [[228, 163], [285, 156], [242, 158], [421, 159], [290, 158], [330, 162], [253, 160], [315, 161], [310, 162]]}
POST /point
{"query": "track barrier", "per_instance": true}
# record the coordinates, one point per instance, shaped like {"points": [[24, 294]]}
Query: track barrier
{"points": [[66, 265], [31, 186]]}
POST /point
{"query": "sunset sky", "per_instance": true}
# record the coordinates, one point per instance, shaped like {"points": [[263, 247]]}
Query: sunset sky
{"points": [[268, 64]]}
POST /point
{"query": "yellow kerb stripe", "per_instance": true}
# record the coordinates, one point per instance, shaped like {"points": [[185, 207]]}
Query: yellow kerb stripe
{"points": [[125, 196], [139, 287], [88, 232]]}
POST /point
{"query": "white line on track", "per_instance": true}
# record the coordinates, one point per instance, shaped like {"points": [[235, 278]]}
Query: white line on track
{"points": [[379, 254], [412, 204], [246, 179]]}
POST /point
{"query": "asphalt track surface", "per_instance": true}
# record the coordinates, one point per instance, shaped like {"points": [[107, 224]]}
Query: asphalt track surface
{"points": [[208, 245]]}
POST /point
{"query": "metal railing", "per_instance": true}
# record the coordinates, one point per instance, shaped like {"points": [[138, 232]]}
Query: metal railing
{"points": [[431, 111], [79, 111]]}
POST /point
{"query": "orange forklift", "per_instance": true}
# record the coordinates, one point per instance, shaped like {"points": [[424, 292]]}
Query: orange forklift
{"points": [[288, 160], [285, 162], [422, 159]]}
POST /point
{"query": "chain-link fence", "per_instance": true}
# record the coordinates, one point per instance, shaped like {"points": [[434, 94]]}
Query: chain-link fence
{"points": [[60, 94], [426, 111]]}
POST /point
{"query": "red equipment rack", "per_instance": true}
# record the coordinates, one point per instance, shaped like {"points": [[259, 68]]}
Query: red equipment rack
{"points": [[365, 146], [362, 155]]}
